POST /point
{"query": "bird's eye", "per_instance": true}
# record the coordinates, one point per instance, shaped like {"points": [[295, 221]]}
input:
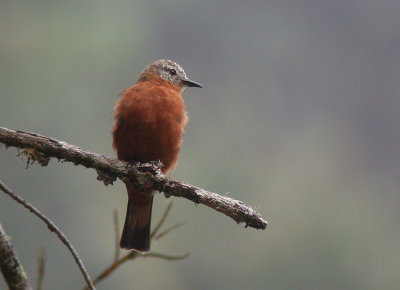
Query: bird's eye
{"points": [[172, 72]]}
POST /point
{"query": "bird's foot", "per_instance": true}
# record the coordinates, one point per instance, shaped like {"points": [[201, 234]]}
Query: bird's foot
{"points": [[152, 166]]}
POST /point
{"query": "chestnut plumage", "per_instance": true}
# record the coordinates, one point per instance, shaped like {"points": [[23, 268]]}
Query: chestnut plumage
{"points": [[150, 118]]}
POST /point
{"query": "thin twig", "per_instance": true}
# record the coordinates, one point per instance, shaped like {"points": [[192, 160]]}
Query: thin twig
{"points": [[133, 254], [163, 233], [114, 265], [162, 220], [41, 267], [166, 257], [52, 228], [13, 272], [117, 237], [41, 148]]}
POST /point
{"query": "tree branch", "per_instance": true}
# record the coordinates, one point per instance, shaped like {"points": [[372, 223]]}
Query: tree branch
{"points": [[41, 268], [12, 270], [52, 227], [145, 177]]}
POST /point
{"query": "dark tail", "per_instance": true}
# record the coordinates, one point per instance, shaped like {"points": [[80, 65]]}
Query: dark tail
{"points": [[136, 233]]}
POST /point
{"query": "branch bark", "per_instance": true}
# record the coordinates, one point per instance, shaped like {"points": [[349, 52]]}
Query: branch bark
{"points": [[144, 177], [12, 270]]}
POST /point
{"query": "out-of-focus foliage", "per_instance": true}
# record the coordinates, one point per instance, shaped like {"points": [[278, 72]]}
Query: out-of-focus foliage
{"points": [[299, 117]]}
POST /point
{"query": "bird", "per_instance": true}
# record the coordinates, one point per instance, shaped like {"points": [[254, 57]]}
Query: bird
{"points": [[150, 119]]}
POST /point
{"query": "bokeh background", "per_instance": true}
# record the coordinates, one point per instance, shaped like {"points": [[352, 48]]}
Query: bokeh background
{"points": [[299, 118]]}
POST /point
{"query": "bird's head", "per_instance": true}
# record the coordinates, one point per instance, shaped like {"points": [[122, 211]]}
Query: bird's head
{"points": [[169, 71]]}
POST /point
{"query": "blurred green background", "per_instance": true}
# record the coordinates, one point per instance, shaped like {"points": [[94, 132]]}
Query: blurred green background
{"points": [[299, 118]]}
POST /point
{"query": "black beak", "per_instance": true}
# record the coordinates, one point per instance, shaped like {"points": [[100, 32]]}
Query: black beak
{"points": [[190, 83]]}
